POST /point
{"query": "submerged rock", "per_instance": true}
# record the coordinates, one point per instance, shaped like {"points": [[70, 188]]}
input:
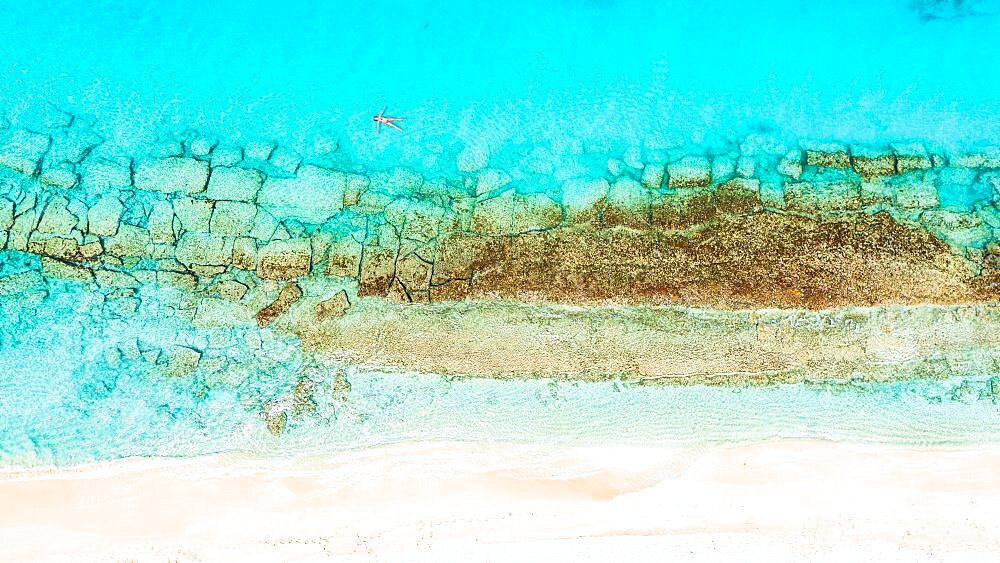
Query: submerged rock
{"points": [[256, 152], [583, 198], [616, 167], [628, 204], [633, 157], [314, 195], [203, 249], [871, 163], [203, 146], [236, 184], [791, 164], [227, 156], [276, 418], [166, 148], [823, 196], [910, 157], [129, 241], [61, 247], [104, 217], [746, 166], [490, 180], [302, 397], [723, 168], [113, 279], [220, 313], [195, 215], [22, 151], [494, 216], [245, 253], [183, 361], [825, 154], [172, 175], [341, 386], [956, 176], [284, 259], [161, 223], [288, 295], [689, 172], [343, 257], [52, 268], [730, 230], [988, 157], [175, 279], [6, 213], [72, 145], [231, 289], [232, 218], [285, 160], [919, 195], [397, 181], [951, 9], [335, 306], [20, 231], [57, 219], [59, 177], [962, 230], [535, 212], [652, 176]]}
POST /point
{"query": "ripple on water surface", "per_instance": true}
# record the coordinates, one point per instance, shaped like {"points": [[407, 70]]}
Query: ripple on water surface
{"points": [[66, 414], [614, 74]]}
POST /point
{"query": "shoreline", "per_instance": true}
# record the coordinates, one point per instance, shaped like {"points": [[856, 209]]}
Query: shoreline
{"points": [[446, 500]]}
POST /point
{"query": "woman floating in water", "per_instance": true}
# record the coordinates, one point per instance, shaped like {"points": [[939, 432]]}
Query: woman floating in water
{"points": [[380, 120]]}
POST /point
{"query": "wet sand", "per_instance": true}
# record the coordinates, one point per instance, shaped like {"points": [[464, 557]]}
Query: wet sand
{"points": [[768, 501]]}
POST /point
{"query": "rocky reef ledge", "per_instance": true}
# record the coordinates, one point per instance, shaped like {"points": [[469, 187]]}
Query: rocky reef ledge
{"points": [[676, 261]]}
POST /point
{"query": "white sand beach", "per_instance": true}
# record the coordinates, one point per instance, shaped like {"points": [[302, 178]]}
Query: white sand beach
{"points": [[772, 501]]}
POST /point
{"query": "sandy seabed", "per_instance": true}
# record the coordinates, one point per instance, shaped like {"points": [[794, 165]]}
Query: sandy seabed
{"points": [[770, 501]]}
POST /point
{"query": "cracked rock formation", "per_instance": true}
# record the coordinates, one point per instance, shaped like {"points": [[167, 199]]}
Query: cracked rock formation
{"points": [[262, 238]]}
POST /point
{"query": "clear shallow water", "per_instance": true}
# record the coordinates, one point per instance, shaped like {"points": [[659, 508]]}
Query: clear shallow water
{"points": [[63, 404], [555, 72], [570, 76]]}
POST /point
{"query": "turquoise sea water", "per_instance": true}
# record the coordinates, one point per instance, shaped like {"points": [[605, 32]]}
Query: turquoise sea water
{"points": [[574, 77], [550, 72], [62, 403]]}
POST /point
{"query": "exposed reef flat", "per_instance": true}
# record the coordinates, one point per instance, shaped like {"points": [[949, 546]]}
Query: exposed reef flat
{"points": [[673, 262], [664, 344]]}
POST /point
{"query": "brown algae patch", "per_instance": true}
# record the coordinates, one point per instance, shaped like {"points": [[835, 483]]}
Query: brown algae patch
{"points": [[765, 259]]}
